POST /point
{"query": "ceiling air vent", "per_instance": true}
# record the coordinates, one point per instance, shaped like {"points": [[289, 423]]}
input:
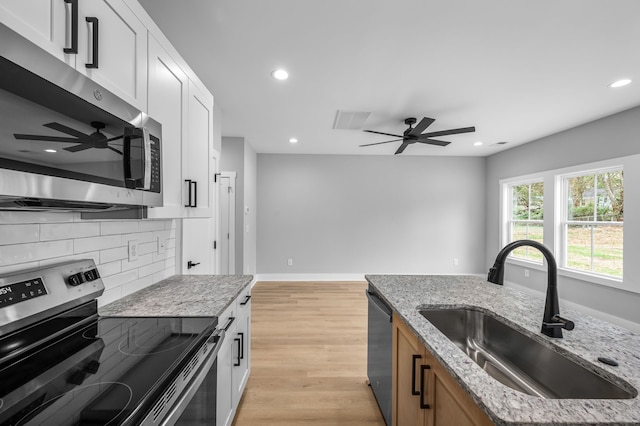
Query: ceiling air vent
{"points": [[350, 120]]}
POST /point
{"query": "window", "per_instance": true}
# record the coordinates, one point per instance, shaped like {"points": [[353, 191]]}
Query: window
{"points": [[592, 223], [526, 214]]}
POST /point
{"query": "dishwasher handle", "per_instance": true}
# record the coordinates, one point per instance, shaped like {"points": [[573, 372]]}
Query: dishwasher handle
{"points": [[379, 304]]}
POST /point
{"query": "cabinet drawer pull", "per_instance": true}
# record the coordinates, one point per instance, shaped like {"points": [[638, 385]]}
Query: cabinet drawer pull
{"points": [[94, 42], [246, 300], [193, 201], [241, 345], [423, 380], [413, 374], [229, 322], [238, 358], [74, 27]]}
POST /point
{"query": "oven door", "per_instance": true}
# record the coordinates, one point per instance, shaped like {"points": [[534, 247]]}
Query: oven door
{"points": [[197, 404]]}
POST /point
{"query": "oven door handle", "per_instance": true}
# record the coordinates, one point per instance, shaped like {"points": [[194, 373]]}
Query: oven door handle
{"points": [[181, 404]]}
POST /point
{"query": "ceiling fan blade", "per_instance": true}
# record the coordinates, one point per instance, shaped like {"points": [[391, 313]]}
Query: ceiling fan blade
{"points": [[64, 129], [449, 132], [402, 147], [434, 142], [381, 133], [421, 126], [378, 143], [79, 147], [45, 138], [115, 150], [115, 138]]}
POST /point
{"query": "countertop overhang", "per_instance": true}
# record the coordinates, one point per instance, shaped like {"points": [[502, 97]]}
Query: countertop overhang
{"points": [[181, 295], [591, 338]]}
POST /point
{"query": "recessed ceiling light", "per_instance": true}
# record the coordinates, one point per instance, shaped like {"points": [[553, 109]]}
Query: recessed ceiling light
{"points": [[280, 74], [479, 143], [50, 150], [293, 140], [620, 83]]}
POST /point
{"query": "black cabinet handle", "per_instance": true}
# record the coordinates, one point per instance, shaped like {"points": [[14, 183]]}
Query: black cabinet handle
{"points": [[74, 27], [246, 300], [94, 42], [238, 341], [194, 184], [423, 380], [242, 345], [191, 264], [413, 374], [229, 322]]}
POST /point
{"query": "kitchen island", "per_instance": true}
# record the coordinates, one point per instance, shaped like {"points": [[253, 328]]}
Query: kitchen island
{"points": [[182, 295], [591, 338]]}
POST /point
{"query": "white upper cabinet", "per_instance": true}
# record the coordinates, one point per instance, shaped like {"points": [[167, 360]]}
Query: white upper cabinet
{"points": [[102, 39], [197, 154], [168, 93], [46, 23]]}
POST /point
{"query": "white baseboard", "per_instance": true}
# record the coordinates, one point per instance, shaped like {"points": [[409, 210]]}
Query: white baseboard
{"points": [[309, 277]]}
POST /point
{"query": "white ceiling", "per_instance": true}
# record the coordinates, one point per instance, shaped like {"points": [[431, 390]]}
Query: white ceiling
{"points": [[517, 70]]}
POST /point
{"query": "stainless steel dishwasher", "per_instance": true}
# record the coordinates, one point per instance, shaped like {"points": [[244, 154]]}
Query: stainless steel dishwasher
{"points": [[379, 352]]}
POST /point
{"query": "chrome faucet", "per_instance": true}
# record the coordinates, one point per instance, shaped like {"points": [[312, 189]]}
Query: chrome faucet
{"points": [[552, 322]]}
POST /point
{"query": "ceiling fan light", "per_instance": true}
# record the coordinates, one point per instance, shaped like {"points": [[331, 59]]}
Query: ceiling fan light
{"points": [[620, 83], [280, 74]]}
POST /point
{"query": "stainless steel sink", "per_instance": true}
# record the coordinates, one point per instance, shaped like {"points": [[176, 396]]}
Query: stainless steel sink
{"points": [[520, 362]]}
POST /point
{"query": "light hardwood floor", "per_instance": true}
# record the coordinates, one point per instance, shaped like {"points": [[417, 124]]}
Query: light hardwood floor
{"points": [[309, 356]]}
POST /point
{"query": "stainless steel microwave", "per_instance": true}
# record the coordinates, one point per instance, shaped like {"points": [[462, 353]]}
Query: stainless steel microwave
{"points": [[67, 143]]}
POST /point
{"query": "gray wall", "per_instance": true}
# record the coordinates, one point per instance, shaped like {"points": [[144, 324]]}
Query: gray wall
{"points": [[370, 214], [610, 137]]}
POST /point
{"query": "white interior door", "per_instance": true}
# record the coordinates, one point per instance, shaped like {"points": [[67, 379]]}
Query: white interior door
{"points": [[227, 191]]}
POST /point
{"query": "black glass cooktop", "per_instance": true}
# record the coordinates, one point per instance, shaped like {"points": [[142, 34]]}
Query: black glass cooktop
{"points": [[107, 370]]}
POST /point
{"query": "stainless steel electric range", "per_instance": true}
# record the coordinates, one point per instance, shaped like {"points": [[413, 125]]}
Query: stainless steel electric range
{"points": [[62, 364]]}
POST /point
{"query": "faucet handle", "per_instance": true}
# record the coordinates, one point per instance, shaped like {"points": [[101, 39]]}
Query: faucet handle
{"points": [[558, 322]]}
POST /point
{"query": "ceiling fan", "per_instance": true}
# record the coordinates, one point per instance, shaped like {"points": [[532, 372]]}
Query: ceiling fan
{"points": [[414, 134], [84, 141]]}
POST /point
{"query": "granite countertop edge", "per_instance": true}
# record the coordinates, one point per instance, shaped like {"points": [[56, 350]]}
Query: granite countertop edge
{"points": [[406, 294], [181, 295]]}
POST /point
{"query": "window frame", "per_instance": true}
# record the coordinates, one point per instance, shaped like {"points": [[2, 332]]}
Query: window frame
{"points": [[554, 210], [509, 216]]}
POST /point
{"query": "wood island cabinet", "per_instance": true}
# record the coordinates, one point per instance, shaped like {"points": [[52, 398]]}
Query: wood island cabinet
{"points": [[424, 393]]}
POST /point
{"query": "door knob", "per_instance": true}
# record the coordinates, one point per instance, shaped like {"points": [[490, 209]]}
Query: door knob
{"points": [[191, 264]]}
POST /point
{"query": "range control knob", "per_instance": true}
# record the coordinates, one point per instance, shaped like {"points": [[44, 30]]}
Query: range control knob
{"points": [[75, 279], [91, 275]]}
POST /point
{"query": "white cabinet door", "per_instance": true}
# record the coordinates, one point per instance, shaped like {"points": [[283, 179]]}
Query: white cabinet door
{"points": [[197, 151], [242, 346], [168, 102], [225, 408], [120, 62], [47, 23]]}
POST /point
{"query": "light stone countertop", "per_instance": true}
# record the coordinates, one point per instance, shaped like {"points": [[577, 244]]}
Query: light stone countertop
{"points": [[590, 339], [181, 295]]}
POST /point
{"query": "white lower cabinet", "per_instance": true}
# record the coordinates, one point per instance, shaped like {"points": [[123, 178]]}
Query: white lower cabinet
{"points": [[234, 364]]}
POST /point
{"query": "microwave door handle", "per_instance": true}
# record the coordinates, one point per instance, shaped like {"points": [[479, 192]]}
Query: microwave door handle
{"points": [[147, 159]]}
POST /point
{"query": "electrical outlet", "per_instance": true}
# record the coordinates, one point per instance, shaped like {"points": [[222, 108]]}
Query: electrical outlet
{"points": [[162, 245], [133, 250], [290, 262], [526, 273]]}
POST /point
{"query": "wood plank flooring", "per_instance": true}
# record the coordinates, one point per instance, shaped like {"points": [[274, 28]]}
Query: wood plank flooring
{"points": [[309, 356]]}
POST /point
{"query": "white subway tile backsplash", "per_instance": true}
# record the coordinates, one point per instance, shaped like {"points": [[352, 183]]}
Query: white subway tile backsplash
{"points": [[97, 243], [61, 231], [110, 255], [32, 239], [16, 234], [152, 225], [111, 228], [22, 253]]}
